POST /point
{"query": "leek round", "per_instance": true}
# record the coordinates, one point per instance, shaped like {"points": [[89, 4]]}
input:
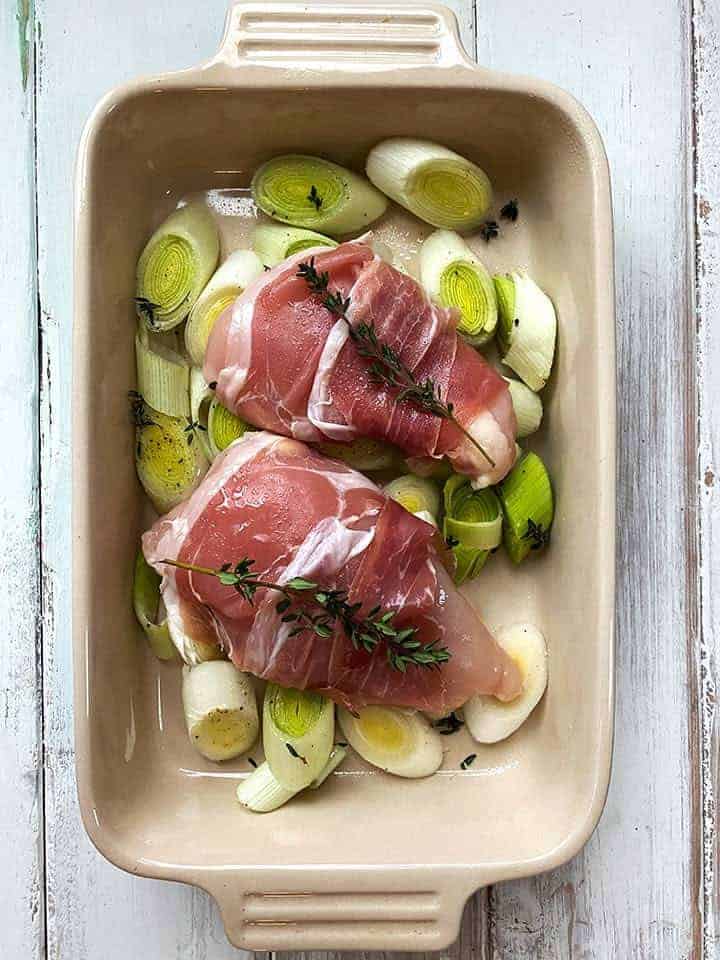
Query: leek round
{"points": [[454, 276], [490, 720], [163, 376], [436, 184], [201, 396], [273, 243], [363, 454], [169, 460], [527, 406], [223, 427], [261, 792], [177, 262], [146, 603], [528, 508], [472, 517], [310, 192], [527, 328], [395, 739], [337, 756], [220, 709], [298, 729], [417, 494], [226, 284]]}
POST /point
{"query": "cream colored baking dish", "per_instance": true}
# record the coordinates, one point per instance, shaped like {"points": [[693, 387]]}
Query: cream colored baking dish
{"points": [[370, 862]]}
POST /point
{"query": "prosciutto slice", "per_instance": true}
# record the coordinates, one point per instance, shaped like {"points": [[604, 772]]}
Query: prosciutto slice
{"points": [[296, 513], [283, 362]]}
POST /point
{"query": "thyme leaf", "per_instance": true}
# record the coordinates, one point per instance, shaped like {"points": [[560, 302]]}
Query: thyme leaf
{"points": [[510, 211]]}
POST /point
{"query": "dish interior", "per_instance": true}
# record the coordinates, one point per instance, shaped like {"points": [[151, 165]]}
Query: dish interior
{"points": [[521, 799]]}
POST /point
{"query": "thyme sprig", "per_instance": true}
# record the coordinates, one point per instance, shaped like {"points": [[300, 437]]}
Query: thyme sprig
{"points": [[315, 198], [386, 366], [449, 724], [510, 211], [139, 410], [308, 606], [489, 230], [146, 308], [537, 533]]}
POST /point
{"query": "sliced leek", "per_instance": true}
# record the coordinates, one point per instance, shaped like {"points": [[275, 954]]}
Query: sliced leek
{"points": [[298, 729], [417, 494], [527, 501], [262, 792], [489, 719], [220, 709], [434, 183], [163, 376], [454, 276], [363, 454], [146, 603], [229, 280], [201, 396], [177, 262], [169, 460], [398, 740], [527, 328], [527, 406], [223, 427], [273, 243], [311, 192], [337, 755], [472, 525]]}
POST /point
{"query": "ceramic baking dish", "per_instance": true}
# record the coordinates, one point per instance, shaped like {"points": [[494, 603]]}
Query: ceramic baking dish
{"points": [[371, 862]]}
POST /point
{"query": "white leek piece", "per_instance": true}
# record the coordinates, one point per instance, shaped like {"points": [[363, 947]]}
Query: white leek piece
{"points": [[311, 192], [489, 719], [261, 792], [223, 427], [527, 328], [169, 460], [454, 276], [527, 406], [298, 729], [163, 376], [434, 183], [273, 243], [337, 755], [397, 740], [201, 396], [417, 494], [146, 603], [177, 262], [228, 282], [363, 454], [220, 709]]}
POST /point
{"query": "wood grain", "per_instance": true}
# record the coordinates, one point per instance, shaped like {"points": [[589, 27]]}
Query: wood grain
{"points": [[22, 901], [707, 654], [633, 892], [93, 909]]}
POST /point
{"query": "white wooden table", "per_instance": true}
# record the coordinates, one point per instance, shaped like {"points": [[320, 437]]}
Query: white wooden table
{"points": [[646, 886]]}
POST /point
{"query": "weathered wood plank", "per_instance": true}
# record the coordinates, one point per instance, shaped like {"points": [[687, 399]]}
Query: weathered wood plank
{"points": [[633, 891], [707, 169], [22, 902], [94, 910]]}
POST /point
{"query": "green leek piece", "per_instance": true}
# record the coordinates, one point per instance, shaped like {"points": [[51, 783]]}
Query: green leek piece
{"points": [[234, 275], [455, 277], [298, 729], [416, 494], [436, 184], [146, 603], [527, 328], [528, 509], [169, 459], [472, 525], [364, 454], [314, 193], [177, 262], [273, 243]]}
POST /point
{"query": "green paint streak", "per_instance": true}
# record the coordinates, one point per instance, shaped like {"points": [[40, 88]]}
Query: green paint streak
{"points": [[25, 25]]}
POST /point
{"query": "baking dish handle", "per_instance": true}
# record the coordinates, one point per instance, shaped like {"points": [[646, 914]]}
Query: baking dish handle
{"points": [[324, 35], [357, 909]]}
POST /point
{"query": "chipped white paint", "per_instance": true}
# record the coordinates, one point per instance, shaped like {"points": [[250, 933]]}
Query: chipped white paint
{"points": [[636, 890], [22, 904], [707, 186]]}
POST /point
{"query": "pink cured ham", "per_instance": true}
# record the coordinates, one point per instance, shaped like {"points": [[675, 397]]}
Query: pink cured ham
{"points": [[296, 513], [283, 362]]}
